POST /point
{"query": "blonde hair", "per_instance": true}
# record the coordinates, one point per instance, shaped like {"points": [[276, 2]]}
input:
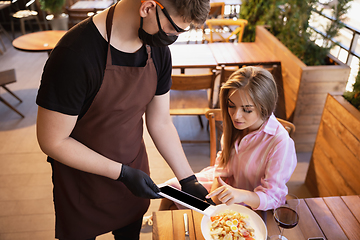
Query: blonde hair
{"points": [[261, 87]]}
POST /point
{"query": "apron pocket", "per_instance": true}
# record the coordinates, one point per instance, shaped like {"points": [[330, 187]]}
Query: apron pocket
{"points": [[97, 190]]}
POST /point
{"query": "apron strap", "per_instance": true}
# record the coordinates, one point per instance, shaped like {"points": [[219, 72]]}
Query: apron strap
{"points": [[109, 22]]}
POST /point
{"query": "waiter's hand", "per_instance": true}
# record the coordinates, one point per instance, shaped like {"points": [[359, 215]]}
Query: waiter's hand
{"points": [[193, 187], [138, 182]]}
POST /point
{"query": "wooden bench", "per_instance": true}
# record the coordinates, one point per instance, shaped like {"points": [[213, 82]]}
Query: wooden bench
{"points": [[305, 88]]}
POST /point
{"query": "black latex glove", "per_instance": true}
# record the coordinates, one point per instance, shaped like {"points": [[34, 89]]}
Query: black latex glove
{"points": [[193, 187], [138, 182]]}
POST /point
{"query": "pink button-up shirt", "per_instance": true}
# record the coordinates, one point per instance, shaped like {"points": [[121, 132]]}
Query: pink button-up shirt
{"points": [[262, 161]]}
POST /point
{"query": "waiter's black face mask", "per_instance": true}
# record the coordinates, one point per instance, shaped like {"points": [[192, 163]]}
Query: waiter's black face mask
{"points": [[159, 39]]}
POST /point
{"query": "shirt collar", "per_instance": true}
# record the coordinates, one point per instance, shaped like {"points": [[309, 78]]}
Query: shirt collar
{"points": [[270, 125]]}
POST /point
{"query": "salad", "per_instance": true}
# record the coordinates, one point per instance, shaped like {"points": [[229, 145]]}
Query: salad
{"points": [[231, 225]]}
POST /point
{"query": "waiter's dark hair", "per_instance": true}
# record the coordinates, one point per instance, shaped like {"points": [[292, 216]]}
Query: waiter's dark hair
{"points": [[194, 11]]}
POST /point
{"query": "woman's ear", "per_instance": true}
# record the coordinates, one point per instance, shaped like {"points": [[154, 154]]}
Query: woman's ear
{"points": [[146, 7]]}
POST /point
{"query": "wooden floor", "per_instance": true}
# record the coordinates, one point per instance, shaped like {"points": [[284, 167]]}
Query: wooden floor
{"points": [[26, 207]]}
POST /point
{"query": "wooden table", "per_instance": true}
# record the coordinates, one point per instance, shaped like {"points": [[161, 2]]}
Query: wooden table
{"points": [[244, 53], [234, 6], [43, 41], [332, 218], [192, 56], [4, 4], [217, 54], [101, 5]]}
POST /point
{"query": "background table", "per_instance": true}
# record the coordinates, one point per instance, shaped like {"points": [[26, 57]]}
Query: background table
{"points": [[333, 218], [43, 41], [4, 4], [217, 54], [244, 53], [192, 56], [100, 5]]}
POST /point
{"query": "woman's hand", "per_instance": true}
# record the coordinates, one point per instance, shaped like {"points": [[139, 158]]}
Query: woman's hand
{"points": [[227, 194], [230, 195]]}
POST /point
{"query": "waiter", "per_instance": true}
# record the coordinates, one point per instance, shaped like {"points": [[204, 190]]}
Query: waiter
{"points": [[98, 82]]}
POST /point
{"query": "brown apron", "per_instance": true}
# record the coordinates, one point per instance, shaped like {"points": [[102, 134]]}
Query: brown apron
{"points": [[87, 204]]}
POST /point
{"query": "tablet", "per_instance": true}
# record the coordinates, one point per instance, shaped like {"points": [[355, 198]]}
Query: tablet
{"points": [[186, 199]]}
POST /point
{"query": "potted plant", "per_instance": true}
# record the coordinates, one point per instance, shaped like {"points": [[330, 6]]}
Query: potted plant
{"points": [[334, 164], [58, 19], [309, 72], [354, 96]]}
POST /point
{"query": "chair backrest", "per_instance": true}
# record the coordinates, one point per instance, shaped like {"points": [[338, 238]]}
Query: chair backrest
{"points": [[217, 9], [186, 82], [77, 15], [226, 71], [7, 77], [214, 115], [290, 127], [219, 36]]}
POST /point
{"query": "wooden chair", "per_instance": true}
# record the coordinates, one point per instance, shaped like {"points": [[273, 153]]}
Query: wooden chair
{"points": [[224, 30], [217, 10], [7, 77], [226, 71], [290, 127], [27, 14], [192, 94], [214, 116], [78, 15]]}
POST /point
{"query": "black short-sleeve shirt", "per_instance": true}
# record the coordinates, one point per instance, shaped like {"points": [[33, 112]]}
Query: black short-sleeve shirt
{"points": [[74, 72]]}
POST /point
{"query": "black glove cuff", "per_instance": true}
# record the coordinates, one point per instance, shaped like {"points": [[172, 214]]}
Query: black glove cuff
{"points": [[187, 180], [121, 173]]}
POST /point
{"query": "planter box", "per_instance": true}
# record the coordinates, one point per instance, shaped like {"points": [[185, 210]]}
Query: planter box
{"points": [[335, 161], [305, 88]]}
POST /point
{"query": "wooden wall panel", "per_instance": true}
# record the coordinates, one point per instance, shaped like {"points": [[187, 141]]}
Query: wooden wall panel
{"points": [[335, 161], [305, 87]]}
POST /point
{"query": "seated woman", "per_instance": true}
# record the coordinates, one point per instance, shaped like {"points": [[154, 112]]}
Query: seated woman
{"points": [[258, 156]]}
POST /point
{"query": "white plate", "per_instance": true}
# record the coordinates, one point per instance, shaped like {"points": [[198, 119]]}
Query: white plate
{"points": [[255, 221]]}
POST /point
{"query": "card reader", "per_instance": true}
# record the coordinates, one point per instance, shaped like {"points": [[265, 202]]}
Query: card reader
{"points": [[186, 199]]}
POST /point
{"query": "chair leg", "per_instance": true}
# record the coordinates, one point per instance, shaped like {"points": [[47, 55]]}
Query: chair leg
{"points": [[11, 93], [38, 22], [14, 109], [2, 42], [12, 28], [5, 32], [22, 26], [201, 123]]}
